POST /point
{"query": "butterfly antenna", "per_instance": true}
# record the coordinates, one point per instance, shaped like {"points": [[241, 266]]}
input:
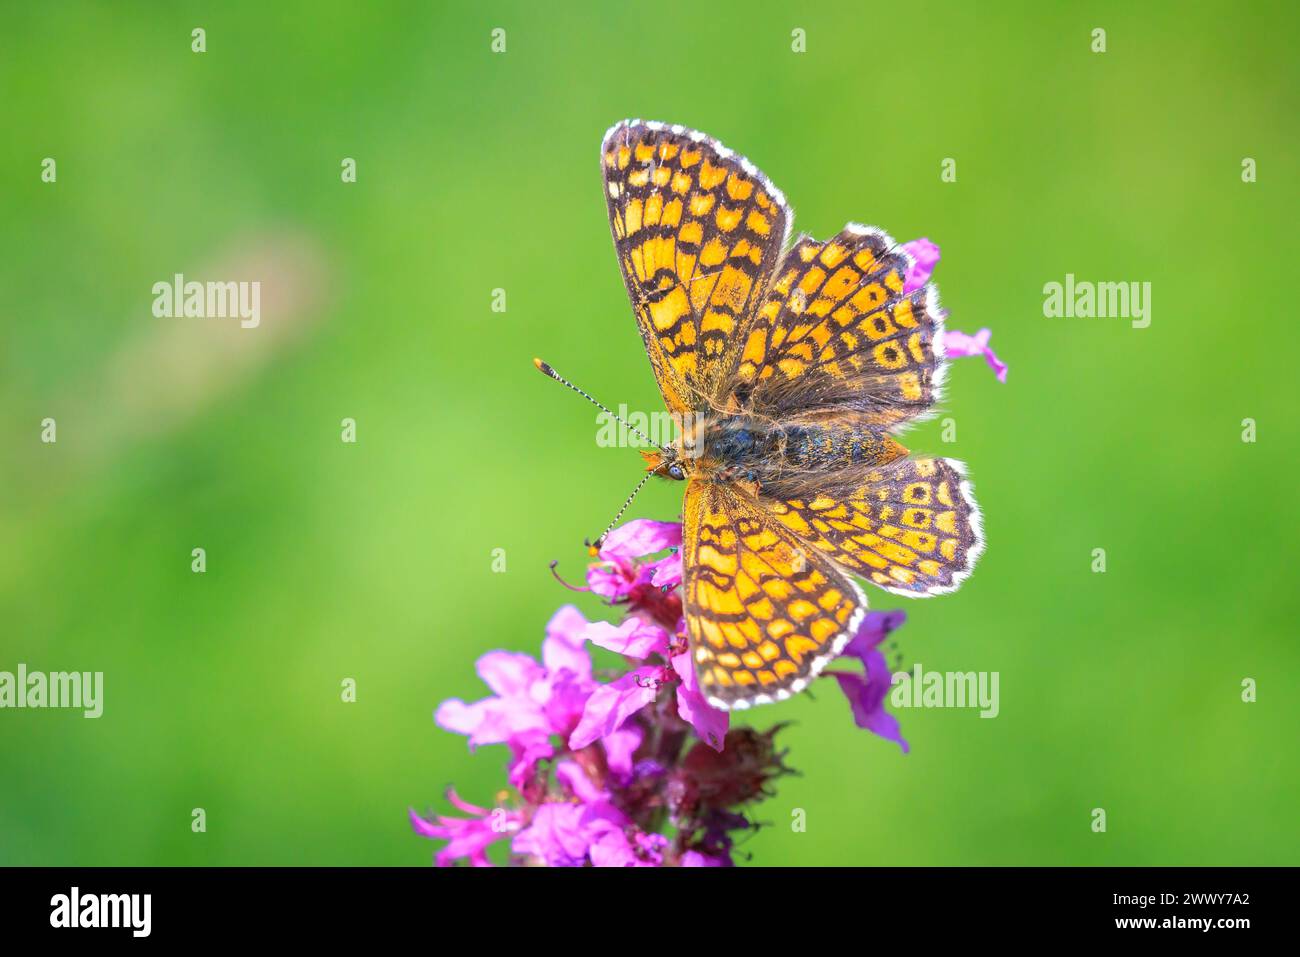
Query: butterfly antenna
{"points": [[547, 370], [594, 547]]}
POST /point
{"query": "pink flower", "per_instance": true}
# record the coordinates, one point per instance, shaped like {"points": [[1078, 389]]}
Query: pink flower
{"points": [[531, 701], [620, 575], [956, 345], [925, 256], [467, 838], [867, 692], [610, 705]]}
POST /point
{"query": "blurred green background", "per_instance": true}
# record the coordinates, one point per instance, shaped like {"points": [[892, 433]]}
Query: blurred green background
{"points": [[478, 171]]}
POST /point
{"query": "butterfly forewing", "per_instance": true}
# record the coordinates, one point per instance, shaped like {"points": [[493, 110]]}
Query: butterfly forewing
{"points": [[765, 613], [698, 231], [836, 329]]}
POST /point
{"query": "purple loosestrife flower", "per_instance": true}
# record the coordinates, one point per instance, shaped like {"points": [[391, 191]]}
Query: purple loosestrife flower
{"points": [[956, 345], [601, 768], [867, 692]]}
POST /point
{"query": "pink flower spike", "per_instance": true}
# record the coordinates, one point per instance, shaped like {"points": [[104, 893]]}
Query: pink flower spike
{"points": [[957, 345], [925, 256]]}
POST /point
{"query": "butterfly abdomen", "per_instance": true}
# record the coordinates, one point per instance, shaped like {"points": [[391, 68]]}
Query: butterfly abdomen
{"points": [[741, 448]]}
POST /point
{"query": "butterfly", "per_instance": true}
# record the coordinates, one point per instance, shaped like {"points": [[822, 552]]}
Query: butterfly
{"points": [[789, 369]]}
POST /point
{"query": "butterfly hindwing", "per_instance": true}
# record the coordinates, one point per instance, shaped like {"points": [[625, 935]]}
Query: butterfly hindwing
{"points": [[912, 527], [764, 612], [698, 231]]}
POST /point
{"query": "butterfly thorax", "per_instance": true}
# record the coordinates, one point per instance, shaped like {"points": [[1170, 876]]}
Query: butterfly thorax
{"points": [[744, 448]]}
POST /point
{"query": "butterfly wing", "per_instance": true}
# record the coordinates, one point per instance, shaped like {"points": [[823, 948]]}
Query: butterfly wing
{"points": [[764, 613], [912, 527], [698, 231], [835, 330]]}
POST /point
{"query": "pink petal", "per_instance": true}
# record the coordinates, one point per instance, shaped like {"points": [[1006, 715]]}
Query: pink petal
{"points": [[867, 705], [710, 723], [639, 537], [455, 715], [925, 256], [563, 649], [571, 775], [508, 672], [612, 704], [667, 571], [634, 637], [957, 345], [620, 745]]}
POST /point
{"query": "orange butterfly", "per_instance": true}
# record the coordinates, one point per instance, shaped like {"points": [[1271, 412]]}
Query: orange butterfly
{"points": [[787, 370]]}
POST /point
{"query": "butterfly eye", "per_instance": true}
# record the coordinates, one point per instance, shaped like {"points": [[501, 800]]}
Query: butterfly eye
{"points": [[675, 472]]}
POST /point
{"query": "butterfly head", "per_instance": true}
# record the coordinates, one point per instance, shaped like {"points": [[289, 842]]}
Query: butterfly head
{"points": [[664, 463]]}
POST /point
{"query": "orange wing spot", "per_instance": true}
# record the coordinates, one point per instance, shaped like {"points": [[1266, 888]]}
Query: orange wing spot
{"points": [[812, 281], [758, 223], [672, 214], [780, 628], [910, 386], [796, 646], [919, 541], [711, 176], [739, 188], [752, 660], [690, 157], [799, 609], [728, 218], [713, 253], [833, 254], [838, 286], [665, 313], [869, 297], [701, 203], [654, 208], [632, 217], [681, 183], [889, 356], [865, 260], [822, 629], [784, 668]]}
